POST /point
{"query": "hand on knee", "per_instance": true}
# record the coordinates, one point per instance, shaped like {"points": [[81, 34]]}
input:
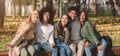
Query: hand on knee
{"points": [[100, 48], [87, 44]]}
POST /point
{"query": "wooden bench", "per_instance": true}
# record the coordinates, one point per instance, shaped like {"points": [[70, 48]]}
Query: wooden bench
{"points": [[115, 51], [43, 53], [3, 53]]}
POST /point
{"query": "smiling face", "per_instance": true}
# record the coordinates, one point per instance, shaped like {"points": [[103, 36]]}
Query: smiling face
{"points": [[72, 14], [64, 20], [46, 17], [82, 17], [34, 16]]}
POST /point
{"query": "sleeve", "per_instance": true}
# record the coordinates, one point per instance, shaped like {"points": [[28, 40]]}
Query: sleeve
{"points": [[20, 33], [51, 39], [56, 30], [67, 36], [92, 33]]}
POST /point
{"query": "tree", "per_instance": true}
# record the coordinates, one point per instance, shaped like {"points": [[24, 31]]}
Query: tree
{"points": [[14, 9], [118, 4], [112, 7], [49, 4], [41, 4], [84, 2], [2, 13], [34, 4], [57, 3], [20, 7], [95, 7], [78, 4]]}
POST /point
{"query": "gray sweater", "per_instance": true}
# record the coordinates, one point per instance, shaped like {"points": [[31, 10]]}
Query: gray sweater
{"points": [[75, 30]]}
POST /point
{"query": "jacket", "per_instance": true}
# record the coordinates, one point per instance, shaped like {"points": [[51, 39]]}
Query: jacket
{"points": [[88, 33]]}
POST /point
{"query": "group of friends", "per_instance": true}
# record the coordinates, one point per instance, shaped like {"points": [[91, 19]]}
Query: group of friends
{"points": [[73, 35]]}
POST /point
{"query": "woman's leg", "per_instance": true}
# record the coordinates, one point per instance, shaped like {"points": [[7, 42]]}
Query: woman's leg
{"points": [[67, 49], [46, 46], [62, 51], [87, 51], [73, 48], [31, 50], [80, 48], [101, 52], [37, 48], [23, 52]]}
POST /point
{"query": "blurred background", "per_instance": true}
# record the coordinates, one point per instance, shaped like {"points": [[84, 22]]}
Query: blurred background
{"points": [[106, 14]]}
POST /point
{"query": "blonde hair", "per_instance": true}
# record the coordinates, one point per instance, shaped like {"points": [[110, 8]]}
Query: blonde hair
{"points": [[27, 21], [30, 14]]}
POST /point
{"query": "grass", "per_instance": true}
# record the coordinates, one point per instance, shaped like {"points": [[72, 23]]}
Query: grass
{"points": [[105, 25]]}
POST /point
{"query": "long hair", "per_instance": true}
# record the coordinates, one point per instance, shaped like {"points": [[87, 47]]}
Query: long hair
{"points": [[86, 16], [46, 9], [67, 25], [27, 21]]}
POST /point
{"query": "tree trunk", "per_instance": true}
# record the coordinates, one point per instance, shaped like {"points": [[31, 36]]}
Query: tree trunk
{"points": [[95, 7], [41, 4], [57, 7], [118, 4], [78, 5], [2, 13], [119, 11], [14, 9], [112, 8], [34, 4], [84, 2], [49, 4], [20, 7]]}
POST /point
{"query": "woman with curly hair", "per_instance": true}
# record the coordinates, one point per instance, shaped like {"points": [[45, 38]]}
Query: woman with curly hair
{"points": [[45, 31]]}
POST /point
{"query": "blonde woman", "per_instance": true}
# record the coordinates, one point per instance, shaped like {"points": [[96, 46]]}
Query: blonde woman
{"points": [[20, 45]]}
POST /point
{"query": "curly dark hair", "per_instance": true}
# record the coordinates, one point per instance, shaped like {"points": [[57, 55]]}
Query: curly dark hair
{"points": [[46, 9], [72, 8]]}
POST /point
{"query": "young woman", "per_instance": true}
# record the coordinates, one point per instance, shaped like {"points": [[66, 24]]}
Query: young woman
{"points": [[45, 31], [62, 35], [89, 35], [24, 37]]}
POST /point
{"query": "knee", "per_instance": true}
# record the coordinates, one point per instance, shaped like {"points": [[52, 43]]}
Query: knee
{"points": [[37, 47], [31, 50], [72, 46], [23, 52]]}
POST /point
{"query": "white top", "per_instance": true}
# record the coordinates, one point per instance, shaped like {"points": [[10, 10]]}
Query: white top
{"points": [[44, 33]]}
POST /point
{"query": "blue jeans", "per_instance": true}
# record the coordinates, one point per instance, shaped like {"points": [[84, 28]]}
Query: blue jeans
{"points": [[63, 48], [100, 53], [45, 46]]}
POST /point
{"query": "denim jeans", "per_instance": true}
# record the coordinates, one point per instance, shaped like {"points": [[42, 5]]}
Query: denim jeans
{"points": [[45, 46], [63, 48], [100, 53]]}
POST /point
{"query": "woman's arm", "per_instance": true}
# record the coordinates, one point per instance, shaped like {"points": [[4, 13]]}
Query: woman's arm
{"points": [[67, 36], [92, 33], [20, 33], [51, 39], [56, 30]]}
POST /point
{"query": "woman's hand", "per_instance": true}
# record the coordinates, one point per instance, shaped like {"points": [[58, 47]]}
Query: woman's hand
{"points": [[87, 44], [100, 47], [9, 46], [65, 29]]}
